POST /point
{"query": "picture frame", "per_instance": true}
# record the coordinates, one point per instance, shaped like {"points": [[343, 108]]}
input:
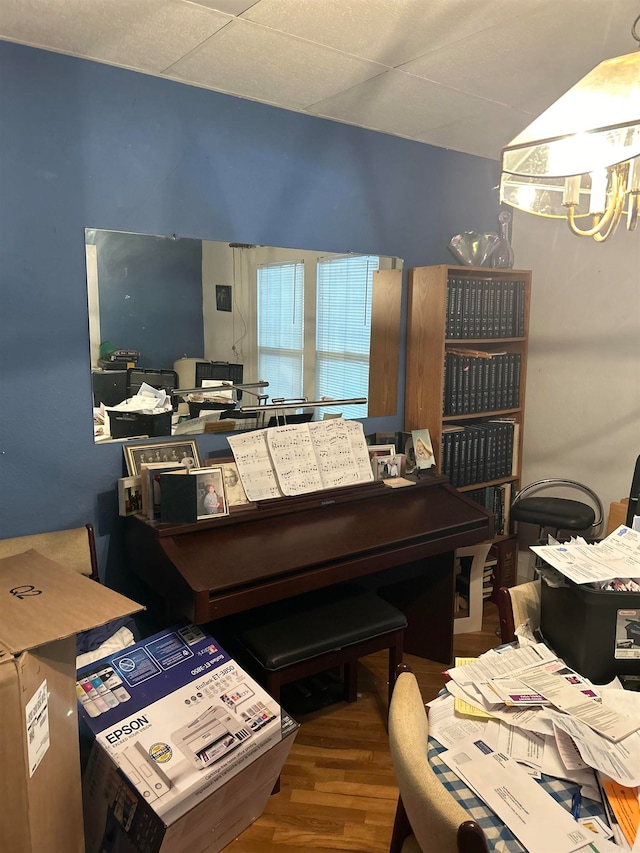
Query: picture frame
{"points": [[167, 451], [423, 449], [233, 489], [388, 467], [211, 503], [129, 496], [376, 450]]}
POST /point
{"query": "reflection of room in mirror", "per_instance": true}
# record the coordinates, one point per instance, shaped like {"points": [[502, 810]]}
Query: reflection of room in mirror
{"points": [[162, 298]]}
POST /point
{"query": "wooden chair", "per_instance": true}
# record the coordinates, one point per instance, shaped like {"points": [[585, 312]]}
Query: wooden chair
{"points": [[516, 604], [75, 548], [427, 818]]}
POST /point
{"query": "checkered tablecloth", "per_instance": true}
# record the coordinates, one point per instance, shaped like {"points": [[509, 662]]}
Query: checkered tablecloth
{"points": [[499, 837]]}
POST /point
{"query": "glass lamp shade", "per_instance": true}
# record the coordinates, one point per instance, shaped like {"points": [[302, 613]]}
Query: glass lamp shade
{"points": [[594, 125], [581, 157]]}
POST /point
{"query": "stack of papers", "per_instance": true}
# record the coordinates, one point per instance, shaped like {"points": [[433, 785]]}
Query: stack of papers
{"points": [[148, 401], [526, 714], [617, 556]]}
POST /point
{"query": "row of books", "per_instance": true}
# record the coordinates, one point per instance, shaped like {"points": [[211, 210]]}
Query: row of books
{"points": [[476, 381], [485, 308], [497, 499], [479, 452]]}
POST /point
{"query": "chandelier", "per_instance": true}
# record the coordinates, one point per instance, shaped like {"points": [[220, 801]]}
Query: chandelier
{"points": [[580, 159]]}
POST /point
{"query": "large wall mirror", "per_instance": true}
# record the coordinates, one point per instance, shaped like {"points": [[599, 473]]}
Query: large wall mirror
{"points": [[312, 324]]}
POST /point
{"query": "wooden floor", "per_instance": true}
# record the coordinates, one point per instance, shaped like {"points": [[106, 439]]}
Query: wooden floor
{"points": [[338, 790]]}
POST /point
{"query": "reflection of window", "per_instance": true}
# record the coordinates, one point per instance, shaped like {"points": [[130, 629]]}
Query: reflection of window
{"points": [[280, 328], [343, 330]]}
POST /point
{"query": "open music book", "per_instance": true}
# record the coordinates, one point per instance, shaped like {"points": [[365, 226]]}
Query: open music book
{"points": [[299, 458]]}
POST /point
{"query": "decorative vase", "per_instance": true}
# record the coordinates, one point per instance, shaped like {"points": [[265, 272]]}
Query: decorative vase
{"points": [[502, 255]]}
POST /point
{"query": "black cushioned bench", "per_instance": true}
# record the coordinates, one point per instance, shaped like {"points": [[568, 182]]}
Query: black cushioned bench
{"points": [[315, 632]]}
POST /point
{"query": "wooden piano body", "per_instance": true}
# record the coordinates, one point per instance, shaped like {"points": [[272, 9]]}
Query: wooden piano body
{"points": [[400, 541]]}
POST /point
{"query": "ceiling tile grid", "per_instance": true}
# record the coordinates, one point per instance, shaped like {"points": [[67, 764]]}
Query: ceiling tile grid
{"points": [[460, 74]]}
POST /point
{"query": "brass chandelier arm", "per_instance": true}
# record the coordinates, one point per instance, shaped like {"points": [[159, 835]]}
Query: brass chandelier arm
{"points": [[605, 225]]}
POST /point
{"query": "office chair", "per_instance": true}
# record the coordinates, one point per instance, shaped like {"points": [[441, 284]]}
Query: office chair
{"points": [[516, 604], [427, 816], [556, 514]]}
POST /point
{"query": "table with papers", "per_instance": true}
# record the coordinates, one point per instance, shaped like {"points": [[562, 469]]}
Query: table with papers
{"points": [[500, 839], [530, 749]]}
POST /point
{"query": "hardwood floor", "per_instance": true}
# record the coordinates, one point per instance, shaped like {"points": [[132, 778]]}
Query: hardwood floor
{"points": [[338, 791]]}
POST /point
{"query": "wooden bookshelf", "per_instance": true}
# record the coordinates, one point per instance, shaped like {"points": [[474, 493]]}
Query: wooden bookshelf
{"points": [[467, 310]]}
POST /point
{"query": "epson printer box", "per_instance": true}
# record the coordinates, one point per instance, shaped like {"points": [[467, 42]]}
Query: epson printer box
{"points": [[187, 746]]}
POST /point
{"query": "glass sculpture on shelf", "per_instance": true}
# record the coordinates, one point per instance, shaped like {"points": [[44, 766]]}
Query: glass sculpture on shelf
{"points": [[502, 254], [473, 249]]}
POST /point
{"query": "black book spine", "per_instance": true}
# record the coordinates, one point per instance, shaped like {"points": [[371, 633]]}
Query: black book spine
{"points": [[520, 293], [465, 379], [516, 380], [512, 329], [451, 308], [504, 309], [457, 325], [473, 310], [491, 309], [466, 308]]}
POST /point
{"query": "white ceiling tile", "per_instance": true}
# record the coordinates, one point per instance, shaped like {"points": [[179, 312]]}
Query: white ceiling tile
{"points": [[387, 31], [406, 105], [461, 61], [144, 34], [484, 134], [229, 7], [259, 63], [494, 64]]}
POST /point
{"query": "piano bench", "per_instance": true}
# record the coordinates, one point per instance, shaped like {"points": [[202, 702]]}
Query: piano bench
{"points": [[315, 632]]}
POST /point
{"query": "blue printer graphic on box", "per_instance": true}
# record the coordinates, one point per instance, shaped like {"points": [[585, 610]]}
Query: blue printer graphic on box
{"points": [[179, 718]]}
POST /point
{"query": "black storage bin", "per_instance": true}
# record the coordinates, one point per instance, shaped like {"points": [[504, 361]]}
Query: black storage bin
{"points": [[166, 379], [595, 631], [127, 424], [224, 371], [109, 387]]}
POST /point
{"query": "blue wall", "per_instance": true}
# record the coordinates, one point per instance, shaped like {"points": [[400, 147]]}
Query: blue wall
{"points": [[87, 145]]}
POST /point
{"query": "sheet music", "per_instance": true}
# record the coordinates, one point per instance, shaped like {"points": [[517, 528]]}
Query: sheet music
{"points": [[254, 465], [336, 460], [355, 430], [294, 459]]}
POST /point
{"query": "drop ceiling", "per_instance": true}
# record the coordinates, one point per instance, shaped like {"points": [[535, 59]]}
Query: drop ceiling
{"points": [[461, 74]]}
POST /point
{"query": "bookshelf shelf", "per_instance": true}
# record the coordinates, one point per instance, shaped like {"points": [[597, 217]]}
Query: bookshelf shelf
{"points": [[467, 340]]}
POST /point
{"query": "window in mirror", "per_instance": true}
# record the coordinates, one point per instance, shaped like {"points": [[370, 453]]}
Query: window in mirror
{"points": [[343, 329], [280, 293]]}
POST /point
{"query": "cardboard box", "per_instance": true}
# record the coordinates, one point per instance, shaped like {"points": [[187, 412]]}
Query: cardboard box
{"points": [[617, 514], [187, 749], [42, 606]]}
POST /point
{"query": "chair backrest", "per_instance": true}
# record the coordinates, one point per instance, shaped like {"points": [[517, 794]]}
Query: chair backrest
{"points": [[593, 511], [74, 548], [516, 604], [434, 815]]}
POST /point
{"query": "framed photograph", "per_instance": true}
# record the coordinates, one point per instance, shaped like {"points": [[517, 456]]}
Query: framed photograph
{"points": [[376, 450], [211, 501], [179, 450], [388, 467], [423, 449], [129, 495], [233, 489], [223, 297]]}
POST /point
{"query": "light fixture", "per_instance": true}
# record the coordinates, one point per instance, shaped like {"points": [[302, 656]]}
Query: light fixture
{"points": [[580, 159]]}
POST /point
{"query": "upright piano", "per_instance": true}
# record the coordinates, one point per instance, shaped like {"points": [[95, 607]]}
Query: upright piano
{"points": [[400, 541]]}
